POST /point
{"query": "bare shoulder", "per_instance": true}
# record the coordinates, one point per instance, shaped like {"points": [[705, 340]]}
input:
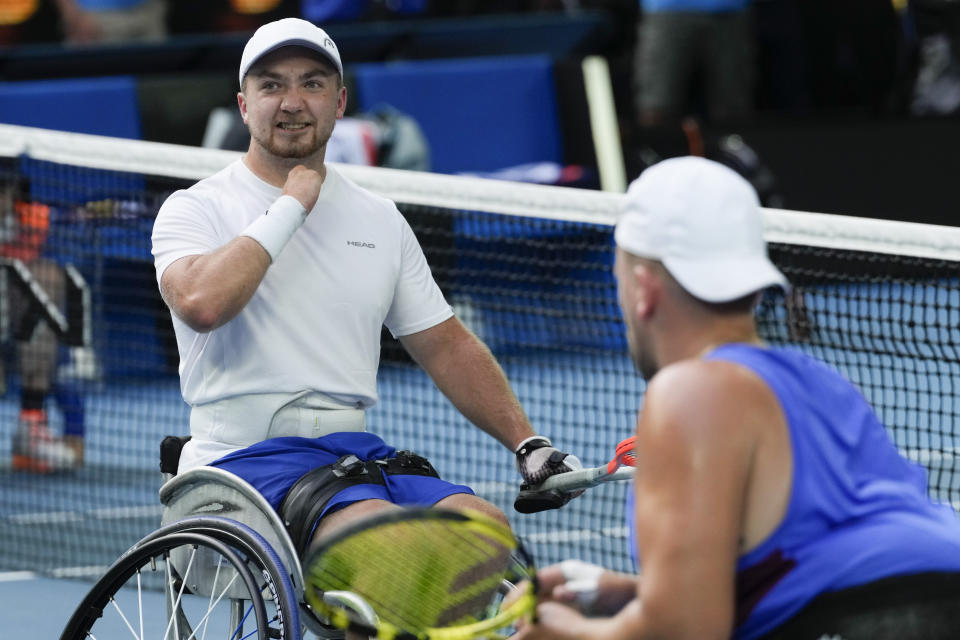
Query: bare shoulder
{"points": [[708, 399]]}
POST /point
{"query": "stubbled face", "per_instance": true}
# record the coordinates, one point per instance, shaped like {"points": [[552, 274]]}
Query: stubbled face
{"points": [[638, 339], [291, 100]]}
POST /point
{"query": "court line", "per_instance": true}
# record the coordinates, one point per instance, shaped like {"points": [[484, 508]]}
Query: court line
{"points": [[89, 571], [17, 576], [66, 517], [575, 535]]}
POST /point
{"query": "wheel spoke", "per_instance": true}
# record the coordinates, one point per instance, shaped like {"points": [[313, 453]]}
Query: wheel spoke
{"points": [[210, 604], [125, 621], [183, 585], [216, 602], [140, 601]]}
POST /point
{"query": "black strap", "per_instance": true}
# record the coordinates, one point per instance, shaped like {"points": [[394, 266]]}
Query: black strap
{"points": [[170, 448], [407, 463], [309, 495]]}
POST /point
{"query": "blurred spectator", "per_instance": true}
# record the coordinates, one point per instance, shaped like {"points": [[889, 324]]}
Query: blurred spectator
{"points": [[680, 41], [109, 21], [81, 21], [937, 87], [24, 226]]}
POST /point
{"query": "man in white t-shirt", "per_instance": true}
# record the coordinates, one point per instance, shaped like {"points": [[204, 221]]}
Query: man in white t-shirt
{"points": [[280, 274]]}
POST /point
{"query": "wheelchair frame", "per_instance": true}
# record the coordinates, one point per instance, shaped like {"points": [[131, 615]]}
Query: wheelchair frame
{"points": [[211, 514]]}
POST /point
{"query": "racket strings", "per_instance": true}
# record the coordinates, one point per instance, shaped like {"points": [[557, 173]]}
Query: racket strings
{"points": [[417, 574]]}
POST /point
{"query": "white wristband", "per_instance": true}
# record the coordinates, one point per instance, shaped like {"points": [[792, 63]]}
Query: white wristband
{"points": [[583, 580], [275, 228]]}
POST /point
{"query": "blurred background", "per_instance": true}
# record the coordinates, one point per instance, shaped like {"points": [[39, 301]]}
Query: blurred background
{"points": [[848, 107]]}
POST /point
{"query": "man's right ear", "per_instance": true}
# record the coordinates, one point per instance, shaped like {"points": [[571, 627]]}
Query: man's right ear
{"points": [[648, 289], [242, 104]]}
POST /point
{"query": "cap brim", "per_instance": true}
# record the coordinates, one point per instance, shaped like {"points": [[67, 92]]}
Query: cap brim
{"points": [[723, 280]]}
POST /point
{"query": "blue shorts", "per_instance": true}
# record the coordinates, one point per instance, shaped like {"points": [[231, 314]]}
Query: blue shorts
{"points": [[274, 465]]}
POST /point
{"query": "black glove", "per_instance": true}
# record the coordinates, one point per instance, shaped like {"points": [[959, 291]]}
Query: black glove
{"points": [[537, 460]]}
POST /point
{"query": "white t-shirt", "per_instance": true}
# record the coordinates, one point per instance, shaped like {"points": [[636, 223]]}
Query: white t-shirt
{"points": [[314, 322]]}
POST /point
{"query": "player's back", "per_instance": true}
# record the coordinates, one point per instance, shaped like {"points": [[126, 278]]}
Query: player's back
{"points": [[858, 510]]}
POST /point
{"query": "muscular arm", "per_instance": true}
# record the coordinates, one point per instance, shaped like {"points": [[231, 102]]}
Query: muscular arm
{"points": [[207, 291], [466, 372], [695, 447], [695, 443]]}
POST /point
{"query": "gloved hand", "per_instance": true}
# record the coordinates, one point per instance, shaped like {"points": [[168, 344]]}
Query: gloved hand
{"points": [[537, 460]]}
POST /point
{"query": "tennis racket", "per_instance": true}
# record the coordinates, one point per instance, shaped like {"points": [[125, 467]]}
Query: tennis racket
{"points": [[533, 498], [425, 574]]}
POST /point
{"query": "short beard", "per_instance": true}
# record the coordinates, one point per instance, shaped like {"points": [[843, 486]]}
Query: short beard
{"points": [[643, 360], [297, 151], [294, 152], [645, 366]]}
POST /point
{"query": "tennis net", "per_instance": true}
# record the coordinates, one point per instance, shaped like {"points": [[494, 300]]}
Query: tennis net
{"points": [[526, 267]]}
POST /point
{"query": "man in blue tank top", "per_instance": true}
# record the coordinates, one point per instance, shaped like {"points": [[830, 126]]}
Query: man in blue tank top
{"points": [[769, 500]]}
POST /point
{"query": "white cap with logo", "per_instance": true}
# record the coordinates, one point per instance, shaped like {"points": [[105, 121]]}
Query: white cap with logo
{"points": [[702, 220], [284, 33]]}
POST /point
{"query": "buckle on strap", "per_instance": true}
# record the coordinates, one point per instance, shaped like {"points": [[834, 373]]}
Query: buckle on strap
{"points": [[408, 463], [349, 466]]}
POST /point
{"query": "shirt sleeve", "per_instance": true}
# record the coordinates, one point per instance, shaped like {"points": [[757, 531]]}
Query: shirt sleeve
{"points": [[418, 303], [183, 228]]}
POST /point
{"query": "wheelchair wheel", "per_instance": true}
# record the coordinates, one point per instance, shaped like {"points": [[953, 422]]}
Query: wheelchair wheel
{"points": [[280, 597], [199, 577], [144, 580]]}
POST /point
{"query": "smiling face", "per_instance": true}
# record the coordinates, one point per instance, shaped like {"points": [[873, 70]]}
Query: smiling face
{"points": [[290, 101]]}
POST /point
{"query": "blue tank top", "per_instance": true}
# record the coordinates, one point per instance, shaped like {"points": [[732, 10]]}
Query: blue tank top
{"points": [[858, 510]]}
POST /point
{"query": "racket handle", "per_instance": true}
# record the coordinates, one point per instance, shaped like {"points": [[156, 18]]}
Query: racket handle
{"points": [[554, 492], [528, 501]]}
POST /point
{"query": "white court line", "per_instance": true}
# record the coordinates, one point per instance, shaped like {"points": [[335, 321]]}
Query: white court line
{"points": [[17, 576], [91, 571], [62, 517], [575, 535]]}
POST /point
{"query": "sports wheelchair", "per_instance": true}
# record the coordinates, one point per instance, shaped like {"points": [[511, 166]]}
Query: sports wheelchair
{"points": [[221, 565]]}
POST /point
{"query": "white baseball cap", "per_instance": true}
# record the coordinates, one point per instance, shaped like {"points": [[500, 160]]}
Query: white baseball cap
{"points": [[702, 220], [284, 33]]}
